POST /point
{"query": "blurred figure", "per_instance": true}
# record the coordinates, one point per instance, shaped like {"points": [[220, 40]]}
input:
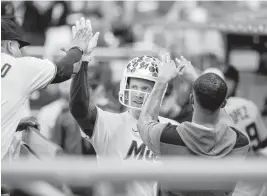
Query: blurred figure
{"points": [[39, 15], [66, 133], [247, 117], [49, 113], [59, 126], [244, 113], [8, 10], [264, 111]]}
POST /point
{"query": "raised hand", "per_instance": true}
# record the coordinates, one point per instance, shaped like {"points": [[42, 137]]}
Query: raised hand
{"points": [[168, 69], [90, 40], [186, 69]]}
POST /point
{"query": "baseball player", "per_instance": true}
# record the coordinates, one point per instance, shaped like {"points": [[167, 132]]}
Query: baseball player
{"points": [[115, 134], [208, 135], [247, 117], [21, 76]]}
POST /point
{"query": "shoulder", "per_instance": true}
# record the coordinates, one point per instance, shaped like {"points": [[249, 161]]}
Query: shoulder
{"points": [[110, 118], [6, 57], [35, 63], [167, 120], [104, 113]]}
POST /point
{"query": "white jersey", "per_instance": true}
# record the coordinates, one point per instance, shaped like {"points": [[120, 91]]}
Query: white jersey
{"points": [[20, 77], [115, 135], [246, 116]]}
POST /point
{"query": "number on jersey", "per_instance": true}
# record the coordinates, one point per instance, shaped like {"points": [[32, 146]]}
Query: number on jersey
{"points": [[253, 136], [5, 69]]}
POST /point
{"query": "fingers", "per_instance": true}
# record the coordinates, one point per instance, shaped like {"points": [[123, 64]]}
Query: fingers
{"points": [[74, 31], [165, 57], [180, 65], [88, 25], [93, 42], [82, 28], [178, 60], [78, 25], [82, 22], [168, 58], [95, 37]]}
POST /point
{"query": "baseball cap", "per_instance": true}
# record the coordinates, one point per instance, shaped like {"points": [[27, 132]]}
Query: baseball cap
{"points": [[12, 31], [232, 73]]}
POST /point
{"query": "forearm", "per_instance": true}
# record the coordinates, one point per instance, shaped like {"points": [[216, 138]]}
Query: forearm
{"points": [[81, 106], [65, 65], [193, 78], [150, 110]]}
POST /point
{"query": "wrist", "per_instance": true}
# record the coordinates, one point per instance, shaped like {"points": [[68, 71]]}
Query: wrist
{"points": [[161, 84], [86, 58], [76, 69], [77, 47], [194, 78], [162, 80]]}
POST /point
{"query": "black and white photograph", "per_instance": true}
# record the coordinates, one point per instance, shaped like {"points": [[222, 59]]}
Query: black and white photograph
{"points": [[134, 98]]}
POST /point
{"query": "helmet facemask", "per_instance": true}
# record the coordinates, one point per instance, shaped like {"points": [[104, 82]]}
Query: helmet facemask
{"points": [[145, 68]]}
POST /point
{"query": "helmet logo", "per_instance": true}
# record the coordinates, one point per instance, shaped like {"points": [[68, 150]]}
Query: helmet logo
{"points": [[144, 62]]}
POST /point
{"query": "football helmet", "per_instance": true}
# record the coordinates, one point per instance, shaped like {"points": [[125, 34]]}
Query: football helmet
{"points": [[144, 67]]}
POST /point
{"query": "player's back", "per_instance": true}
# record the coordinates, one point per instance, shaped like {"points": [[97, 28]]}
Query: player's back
{"points": [[246, 116], [19, 78]]}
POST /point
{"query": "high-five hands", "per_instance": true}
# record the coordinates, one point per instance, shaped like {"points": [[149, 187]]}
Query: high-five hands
{"points": [[83, 30], [186, 69], [169, 70]]}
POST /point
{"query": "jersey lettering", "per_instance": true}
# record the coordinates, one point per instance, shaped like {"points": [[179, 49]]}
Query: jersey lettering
{"points": [[139, 152], [239, 114], [5, 69], [253, 136]]}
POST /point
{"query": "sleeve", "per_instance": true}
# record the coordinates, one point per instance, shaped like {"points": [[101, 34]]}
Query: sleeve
{"points": [[150, 133], [102, 131], [36, 73]]}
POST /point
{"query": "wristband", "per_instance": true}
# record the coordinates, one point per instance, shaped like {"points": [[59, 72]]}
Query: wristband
{"points": [[86, 58], [79, 48], [76, 69]]}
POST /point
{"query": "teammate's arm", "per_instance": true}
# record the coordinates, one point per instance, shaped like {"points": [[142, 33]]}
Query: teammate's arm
{"points": [[148, 126], [81, 34], [65, 66], [38, 73], [81, 106]]}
